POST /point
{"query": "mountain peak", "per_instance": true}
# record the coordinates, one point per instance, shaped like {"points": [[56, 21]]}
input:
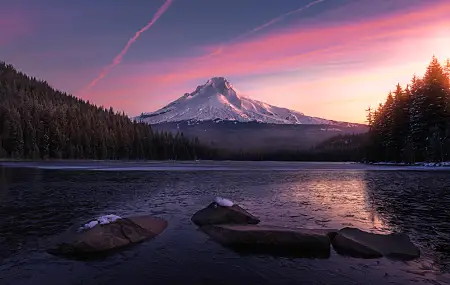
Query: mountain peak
{"points": [[216, 100], [219, 83], [218, 79]]}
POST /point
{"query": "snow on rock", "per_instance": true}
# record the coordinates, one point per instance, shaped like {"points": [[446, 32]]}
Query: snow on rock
{"points": [[217, 101], [100, 220], [89, 225], [223, 202], [108, 219]]}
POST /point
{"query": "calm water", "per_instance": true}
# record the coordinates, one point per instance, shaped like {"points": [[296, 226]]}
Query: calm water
{"points": [[38, 204]]}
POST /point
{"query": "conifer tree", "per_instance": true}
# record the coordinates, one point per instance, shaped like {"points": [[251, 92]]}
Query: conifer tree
{"points": [[414, 124], [447, 68], [436, 91], [39, 122], [400, 122], [387, 127]]}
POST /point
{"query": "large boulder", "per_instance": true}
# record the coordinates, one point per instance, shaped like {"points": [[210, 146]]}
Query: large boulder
{"points": [[223, 211], [96, 237], [272, 240], [356, 243]]}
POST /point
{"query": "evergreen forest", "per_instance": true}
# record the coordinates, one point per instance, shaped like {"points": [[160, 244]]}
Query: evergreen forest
{"points": [[413, 124], [39, 122]]}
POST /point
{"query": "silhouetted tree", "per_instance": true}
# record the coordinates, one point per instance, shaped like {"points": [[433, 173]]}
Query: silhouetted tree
{"points": [[414, 125]]}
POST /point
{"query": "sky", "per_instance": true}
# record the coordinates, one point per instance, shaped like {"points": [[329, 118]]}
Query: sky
{"points": [[325, 58]]}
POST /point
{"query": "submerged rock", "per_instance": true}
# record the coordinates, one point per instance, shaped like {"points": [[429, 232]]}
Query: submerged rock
{"points": [[103, 237], [356, 243], [216, 214], [272, 240]]}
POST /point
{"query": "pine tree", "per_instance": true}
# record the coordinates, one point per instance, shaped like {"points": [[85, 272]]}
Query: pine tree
{"points": [[447, 68], [436, 91], [387, 124], [369, 116], [414, 124], [418, 126], [400, 123], [407, 153], [37, 121], [446, 140]]}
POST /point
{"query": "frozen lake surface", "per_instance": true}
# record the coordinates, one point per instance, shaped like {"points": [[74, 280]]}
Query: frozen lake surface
{"points": [[39, 200]]}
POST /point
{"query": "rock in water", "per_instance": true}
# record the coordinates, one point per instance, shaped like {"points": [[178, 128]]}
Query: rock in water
{"points": [[151, 224], [105, 237], [357, 243], [272, 240], [215, 214]]}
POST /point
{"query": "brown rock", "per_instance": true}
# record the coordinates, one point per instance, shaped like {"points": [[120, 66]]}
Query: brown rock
{"points": [[152, 224], [357, 243], [215, 214], [110, 236], [272, 239]]}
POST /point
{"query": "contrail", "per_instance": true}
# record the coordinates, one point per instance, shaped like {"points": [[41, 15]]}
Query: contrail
{"points": [[119, 57], [269, 23]]}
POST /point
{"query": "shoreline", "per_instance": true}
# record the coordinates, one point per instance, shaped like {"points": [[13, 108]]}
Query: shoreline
{"points": [[134, 161], [422, 164], [211, 165]]}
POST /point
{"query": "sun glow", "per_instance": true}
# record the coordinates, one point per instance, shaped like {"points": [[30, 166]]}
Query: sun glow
{"points": [[441, 45]]}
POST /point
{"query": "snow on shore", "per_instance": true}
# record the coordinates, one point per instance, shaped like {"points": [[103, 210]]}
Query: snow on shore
{"points": [[435, 164], [424, 164]]}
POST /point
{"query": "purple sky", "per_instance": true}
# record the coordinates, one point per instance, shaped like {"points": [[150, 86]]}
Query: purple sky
{"points": [[332, 59]]}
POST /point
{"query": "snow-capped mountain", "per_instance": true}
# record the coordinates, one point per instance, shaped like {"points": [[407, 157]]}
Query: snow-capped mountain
{"points": [[218, 101]]}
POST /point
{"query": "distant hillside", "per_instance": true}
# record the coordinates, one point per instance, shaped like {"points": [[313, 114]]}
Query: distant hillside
{"points": [[350, 147], [259, 137], [338, 148], [39, 122], [348, 142]]}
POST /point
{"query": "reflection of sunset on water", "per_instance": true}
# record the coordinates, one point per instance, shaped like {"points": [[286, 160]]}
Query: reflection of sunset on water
{"points": [[336, 201], [327, 196]]}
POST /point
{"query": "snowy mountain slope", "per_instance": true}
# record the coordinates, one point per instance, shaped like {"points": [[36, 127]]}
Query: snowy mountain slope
{"points": [[218, 101]]}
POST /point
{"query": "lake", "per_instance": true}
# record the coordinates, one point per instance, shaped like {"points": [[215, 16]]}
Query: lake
{"points": [[40, 200]]}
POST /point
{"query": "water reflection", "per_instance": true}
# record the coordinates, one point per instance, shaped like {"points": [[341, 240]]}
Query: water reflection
{"points": [[5, 180], [334, 201], [39, 204], [417, 204]]}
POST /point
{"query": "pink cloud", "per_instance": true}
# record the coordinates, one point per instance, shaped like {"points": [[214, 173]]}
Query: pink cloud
{"points": [[219, 49], [287, 49], [387, 40]]}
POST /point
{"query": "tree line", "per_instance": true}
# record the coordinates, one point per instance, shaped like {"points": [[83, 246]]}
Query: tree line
{"points": [[39, 122], [413, 124]]}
